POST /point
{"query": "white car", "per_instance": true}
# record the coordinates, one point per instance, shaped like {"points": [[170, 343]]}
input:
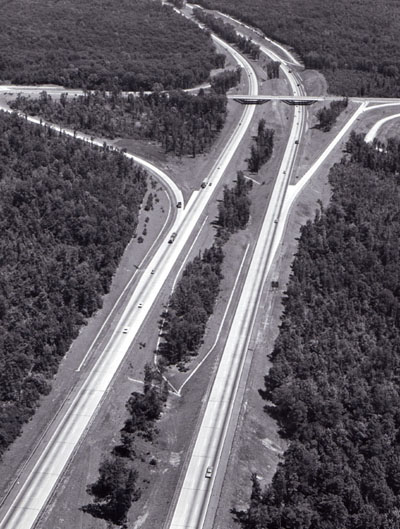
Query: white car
{"points": [[125, 330], [209, 472], [140, 305]]}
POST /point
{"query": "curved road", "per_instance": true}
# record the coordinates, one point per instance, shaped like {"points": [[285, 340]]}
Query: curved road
{"points": [[370, 136]]}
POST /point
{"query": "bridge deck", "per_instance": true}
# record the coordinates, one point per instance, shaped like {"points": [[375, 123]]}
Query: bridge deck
{"points": [[306, 100]]}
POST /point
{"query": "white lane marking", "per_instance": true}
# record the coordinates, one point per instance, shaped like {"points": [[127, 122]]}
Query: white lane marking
{"points": [[252, 179]]}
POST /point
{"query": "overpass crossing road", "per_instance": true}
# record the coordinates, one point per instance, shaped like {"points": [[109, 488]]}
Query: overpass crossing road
{"points": [[305, 100]]}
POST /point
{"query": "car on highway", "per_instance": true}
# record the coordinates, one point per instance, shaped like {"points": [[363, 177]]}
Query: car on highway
{"points": [[172, 238], [179, 205], [209, 472], [203, 185], [153, 272], [296, 142], [125, 330]]}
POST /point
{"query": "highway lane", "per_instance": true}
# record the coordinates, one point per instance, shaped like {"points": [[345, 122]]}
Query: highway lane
{"points": [[23, 505], [191, 508]]}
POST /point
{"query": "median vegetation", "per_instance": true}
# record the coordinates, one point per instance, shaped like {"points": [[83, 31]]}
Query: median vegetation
{"points": [[262, 148], [334, 384], [68, 211], [117, 486], [130, 45], [193, 300], [327, 116]]}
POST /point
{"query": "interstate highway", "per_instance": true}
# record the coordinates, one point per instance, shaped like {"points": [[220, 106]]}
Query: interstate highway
{"points": [[25, 502], [191, 508]]}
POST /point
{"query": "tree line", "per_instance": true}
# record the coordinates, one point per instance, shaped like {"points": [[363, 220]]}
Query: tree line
{"points": [[227, 32], [261, 150], [181, 123], [327, 116], [334, 383], [273, 69], [357, 60], [100, 45], [193, 300], [225, 80], [68, 211]]}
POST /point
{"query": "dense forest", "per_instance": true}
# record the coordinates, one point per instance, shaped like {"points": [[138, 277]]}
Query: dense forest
{"points": [[67, 212], [354, 44], [192, 302], [129, 45], [182, 123], [334, 387]]}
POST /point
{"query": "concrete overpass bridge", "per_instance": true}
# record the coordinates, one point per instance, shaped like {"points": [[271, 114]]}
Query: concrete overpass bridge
{"points": [[289, 100], [304, 100]]}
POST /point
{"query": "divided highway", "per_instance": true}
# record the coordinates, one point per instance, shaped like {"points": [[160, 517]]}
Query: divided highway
{"points": [[192, 505], [25, 503]]}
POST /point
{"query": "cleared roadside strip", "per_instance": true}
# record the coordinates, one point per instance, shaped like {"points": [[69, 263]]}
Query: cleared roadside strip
{"points": [[21, 510]]}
